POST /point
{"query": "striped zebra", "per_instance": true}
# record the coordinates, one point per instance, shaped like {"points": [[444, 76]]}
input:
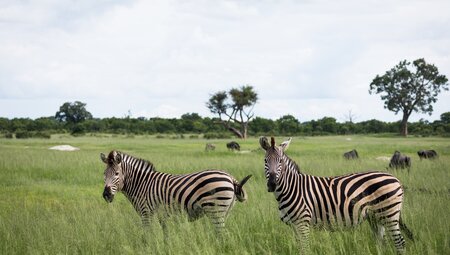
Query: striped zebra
{"points": [[210, 192], [333, 202]]}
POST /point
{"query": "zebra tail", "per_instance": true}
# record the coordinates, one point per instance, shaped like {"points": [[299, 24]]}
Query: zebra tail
{"points": [[406, 230], [241, 195]]}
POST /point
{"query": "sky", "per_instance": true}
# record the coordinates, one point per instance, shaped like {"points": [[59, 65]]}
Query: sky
{"points": [[165, 58]]}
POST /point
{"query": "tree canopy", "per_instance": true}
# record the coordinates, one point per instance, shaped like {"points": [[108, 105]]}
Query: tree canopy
{"points": [[234, 115], [409, 87], [445, 118], [73, 113], [195, 126]]}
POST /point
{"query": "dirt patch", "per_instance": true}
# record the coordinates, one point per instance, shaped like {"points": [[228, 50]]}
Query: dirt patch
{"points": [[383, 158], [243, 152], [64, 148]]}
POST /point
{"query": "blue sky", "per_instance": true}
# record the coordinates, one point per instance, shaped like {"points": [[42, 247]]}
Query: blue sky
{"points": [[165, 58]]}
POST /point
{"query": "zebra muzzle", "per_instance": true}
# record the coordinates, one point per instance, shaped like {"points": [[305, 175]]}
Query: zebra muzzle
{"points": [[107, 195], [271, 184]]}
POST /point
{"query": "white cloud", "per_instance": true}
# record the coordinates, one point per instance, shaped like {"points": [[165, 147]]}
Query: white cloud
{"points": [[309, 59]]}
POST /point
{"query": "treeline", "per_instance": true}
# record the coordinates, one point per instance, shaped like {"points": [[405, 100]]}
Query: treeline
{"points": [[192, 123]]}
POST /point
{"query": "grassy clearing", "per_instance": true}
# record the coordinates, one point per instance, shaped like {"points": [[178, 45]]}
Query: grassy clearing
{"points": [[50, 201]]}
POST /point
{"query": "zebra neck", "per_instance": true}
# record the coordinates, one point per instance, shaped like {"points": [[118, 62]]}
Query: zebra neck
{"points": [[290, 166], [135, 176], [290, 174]]}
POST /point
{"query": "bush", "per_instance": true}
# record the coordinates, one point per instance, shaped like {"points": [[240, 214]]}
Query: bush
{"points": [[22, 134], [45, 135], [216, 135], [9, 135], [180, 136], [78, 130]]}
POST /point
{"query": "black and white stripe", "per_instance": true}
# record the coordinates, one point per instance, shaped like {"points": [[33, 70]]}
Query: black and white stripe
{"points": [[210, 192], [330, 202]]}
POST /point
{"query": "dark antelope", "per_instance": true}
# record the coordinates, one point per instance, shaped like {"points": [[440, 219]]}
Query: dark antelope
{"points": [[400, 161], [353, 154]]}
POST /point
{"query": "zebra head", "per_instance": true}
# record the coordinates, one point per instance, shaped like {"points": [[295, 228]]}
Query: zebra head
{"points": [[273, 161], [113, 175]]}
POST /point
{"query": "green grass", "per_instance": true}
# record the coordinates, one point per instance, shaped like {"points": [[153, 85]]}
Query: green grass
{"points": [[51, 201]]}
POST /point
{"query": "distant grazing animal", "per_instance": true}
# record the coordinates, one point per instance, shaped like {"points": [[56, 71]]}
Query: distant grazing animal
{"points": [[233, 146], [210, 147], [424, 154], [353, 154], [400, 161], [210, 192], [333, 202]]}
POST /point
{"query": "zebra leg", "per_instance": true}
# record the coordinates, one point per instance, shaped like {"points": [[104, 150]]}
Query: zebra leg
{"points": [[393, 228], [162, 222], [378, 229], [218, 220], [217, 215], [302, 236], [145, 221], [145, 224], [217, 211]]}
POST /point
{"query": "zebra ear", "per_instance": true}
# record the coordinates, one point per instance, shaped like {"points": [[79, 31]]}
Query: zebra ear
{"points": [[264, 142], [118, 158], [285, 145], [103, 157]]}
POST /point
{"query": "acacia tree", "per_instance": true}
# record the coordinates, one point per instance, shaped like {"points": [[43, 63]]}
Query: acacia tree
{"points": [[235, 115], [73, 113], [407, 88]]}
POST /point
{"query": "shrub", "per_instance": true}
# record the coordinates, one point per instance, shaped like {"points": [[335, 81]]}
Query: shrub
{"points": [[43, 134], [22, 134], [9, 135], [211, 135], [180, 136], [78, 130]]}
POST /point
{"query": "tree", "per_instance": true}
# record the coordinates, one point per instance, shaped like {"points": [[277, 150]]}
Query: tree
{"points": [[5, 125], [288, 124], [350, 117], [404, 90], [192, 122], [73, 113], [236, 115], [328, 124], [260, 125], [373, 126], [445, 118]]}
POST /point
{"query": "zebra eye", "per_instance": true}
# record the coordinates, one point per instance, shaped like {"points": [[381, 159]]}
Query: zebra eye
{"points": [[117, 173]]}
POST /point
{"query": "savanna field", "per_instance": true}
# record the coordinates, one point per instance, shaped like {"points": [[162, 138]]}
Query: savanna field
{"points": [[51, 201]]}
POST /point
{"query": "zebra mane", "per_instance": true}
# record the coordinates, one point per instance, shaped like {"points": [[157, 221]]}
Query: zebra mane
{"points": [[145, 164], [293, 163]]}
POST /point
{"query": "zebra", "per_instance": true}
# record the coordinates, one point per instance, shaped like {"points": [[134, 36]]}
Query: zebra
{"points": [[209, 192], [333, 202]]}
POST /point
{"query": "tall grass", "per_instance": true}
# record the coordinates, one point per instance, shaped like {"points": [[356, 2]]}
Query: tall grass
{"points": [[51, 203]]}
